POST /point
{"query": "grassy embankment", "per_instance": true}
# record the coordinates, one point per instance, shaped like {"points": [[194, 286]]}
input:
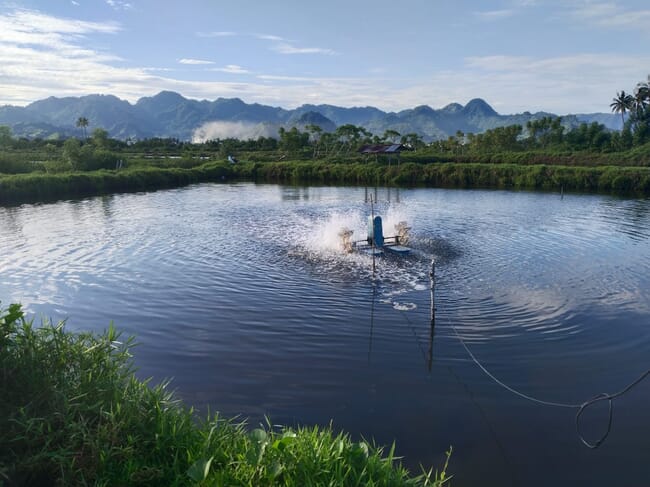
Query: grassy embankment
{"points": [[73, 413], [39, 186]]}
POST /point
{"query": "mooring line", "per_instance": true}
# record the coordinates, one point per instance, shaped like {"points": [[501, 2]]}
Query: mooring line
{"points": [[501, 383], [415, 335], [581, 407]]}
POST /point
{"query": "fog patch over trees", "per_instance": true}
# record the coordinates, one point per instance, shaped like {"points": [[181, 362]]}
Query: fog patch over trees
{"points": [[233, 130]]}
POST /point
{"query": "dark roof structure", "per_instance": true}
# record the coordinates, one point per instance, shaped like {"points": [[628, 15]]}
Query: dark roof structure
{"points": [[382, 149]]}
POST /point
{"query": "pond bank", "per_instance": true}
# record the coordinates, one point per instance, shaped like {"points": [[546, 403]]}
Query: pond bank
{"points": [[38, 187]]}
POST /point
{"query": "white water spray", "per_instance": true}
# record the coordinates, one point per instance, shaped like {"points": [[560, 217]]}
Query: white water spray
{"points": [[320, 241]]}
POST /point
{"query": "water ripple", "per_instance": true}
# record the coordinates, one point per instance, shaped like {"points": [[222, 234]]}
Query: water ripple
{"points": [[241, 292]]}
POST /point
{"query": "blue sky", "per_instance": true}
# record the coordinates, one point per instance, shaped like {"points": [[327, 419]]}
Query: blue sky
{"points": [[562, 56]]}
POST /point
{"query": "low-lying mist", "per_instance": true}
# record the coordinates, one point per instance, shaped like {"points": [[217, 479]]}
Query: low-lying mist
{"points": [[235, 130]]}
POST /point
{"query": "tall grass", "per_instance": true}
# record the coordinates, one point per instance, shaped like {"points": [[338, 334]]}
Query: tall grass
{"points": [[44, 187], [611, 179], [471, 175], [73, 413], [17, 163]]}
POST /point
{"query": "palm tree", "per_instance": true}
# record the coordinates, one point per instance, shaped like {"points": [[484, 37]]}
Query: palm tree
{"points": [[83, 123], [622, 103], [641, 97]]}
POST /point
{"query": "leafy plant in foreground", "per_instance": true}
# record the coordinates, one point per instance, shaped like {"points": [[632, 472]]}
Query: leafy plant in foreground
{"points": [[73, 413]]}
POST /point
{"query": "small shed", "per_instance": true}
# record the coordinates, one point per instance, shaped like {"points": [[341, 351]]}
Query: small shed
{"points": [[389, 150]]}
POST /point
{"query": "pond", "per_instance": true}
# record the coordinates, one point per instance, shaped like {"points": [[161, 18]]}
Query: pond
{"points": [[241, 295]]}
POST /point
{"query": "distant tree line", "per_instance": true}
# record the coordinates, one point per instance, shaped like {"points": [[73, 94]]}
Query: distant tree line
{"points": [[636, 129], [547, 135]]}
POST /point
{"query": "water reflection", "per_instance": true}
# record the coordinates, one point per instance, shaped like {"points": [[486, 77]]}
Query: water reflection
{"points": [[376, 194], [295, 193]]}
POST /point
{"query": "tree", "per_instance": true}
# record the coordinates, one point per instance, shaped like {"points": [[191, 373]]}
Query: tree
{"points": [[391, 135], [293, 140], [497, 139], [413, 140], [348, 136], [100, 138], [639, 118], [315, 132], [72, 152], [622, 103], [642, 95], [545, 131], [5, 136], [83, 123]]}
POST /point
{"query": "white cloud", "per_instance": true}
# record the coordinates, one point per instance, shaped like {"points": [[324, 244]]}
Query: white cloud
{"points": [[493, 15], [267, 37], [216, 34], [565, 84], [42, 55], [286, 48], [232, 69], [196, 62], [157, 70], [119, 5], [22, 22], [273, 77], [611, 15]]}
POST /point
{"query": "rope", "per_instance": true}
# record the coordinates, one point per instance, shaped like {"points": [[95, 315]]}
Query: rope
{"points": [[604, 396], [415, 334], [610, 399], [505, 386]]}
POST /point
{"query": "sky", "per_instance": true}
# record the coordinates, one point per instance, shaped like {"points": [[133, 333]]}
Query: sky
{"points": [[560, 56]]}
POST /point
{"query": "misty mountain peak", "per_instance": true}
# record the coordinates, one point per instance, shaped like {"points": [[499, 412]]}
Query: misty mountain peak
{"points": [[169, 114], [168, 96], [423, 110], [480, 107], [162, 99], [452, 108], [314, 118]]}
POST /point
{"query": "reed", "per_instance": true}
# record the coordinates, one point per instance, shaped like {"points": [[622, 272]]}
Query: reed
{"points": [[73, 413], [616, 179], [35, 187]]}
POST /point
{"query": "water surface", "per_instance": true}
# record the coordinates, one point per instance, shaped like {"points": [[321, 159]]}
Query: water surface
{"points": [[242, 296]]}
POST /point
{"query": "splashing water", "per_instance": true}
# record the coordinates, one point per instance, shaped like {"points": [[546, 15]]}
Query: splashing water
{"points": [[323, 236], [320, 242]]}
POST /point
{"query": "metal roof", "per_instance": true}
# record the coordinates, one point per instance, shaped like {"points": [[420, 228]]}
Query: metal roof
{"points": [[381, 149]]}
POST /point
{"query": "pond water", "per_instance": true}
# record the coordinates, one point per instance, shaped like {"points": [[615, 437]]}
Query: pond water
{"points": [[240, 294]]}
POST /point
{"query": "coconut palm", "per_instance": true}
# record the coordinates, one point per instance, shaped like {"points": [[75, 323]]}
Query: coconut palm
{"points": [[83, 123], [641, 96], [622, 103]]}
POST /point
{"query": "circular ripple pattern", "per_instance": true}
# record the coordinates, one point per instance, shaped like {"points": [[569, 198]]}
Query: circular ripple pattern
{"points": [[242, 294]]}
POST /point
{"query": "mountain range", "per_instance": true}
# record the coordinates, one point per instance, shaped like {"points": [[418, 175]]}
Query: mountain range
{"points": [[169, 114]]}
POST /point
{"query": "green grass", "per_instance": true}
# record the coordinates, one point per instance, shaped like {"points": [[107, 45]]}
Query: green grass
{"points": [[610, 179], [37, 187], [73, 413]]}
